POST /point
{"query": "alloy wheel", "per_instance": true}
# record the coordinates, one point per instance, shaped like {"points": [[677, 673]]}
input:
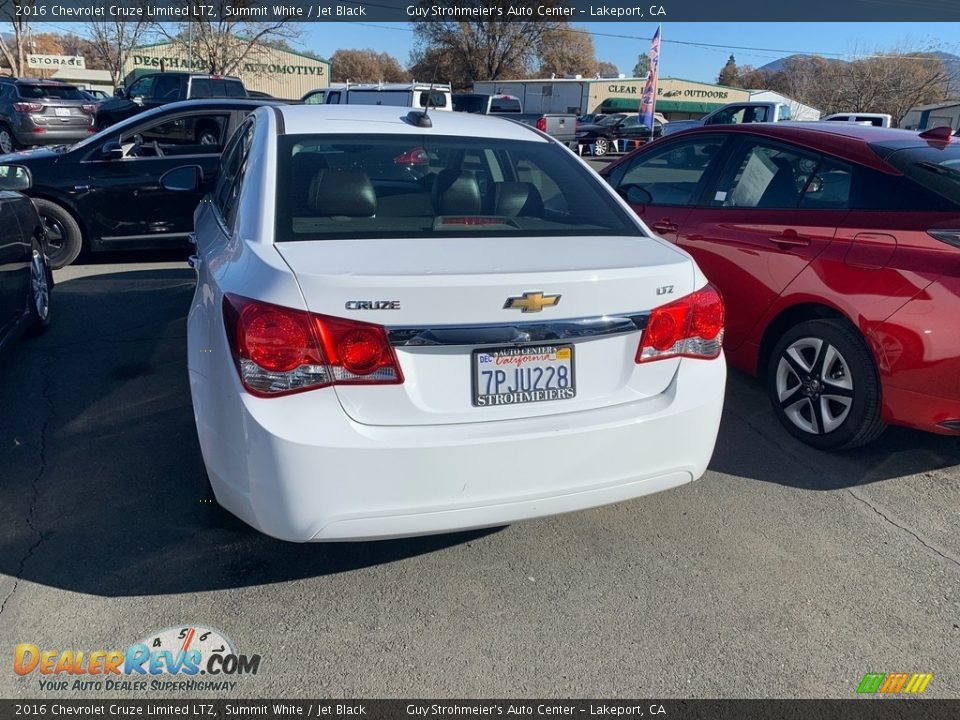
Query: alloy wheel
{"points": [[55, 232], [814, 385], [39, 287], [601, 146], [6, 141]]}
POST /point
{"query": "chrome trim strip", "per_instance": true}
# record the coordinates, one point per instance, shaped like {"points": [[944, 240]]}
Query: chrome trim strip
{"points": [[517, 333]]}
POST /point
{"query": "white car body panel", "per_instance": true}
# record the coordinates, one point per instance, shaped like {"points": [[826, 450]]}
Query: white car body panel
{"points": [[379, 461]]}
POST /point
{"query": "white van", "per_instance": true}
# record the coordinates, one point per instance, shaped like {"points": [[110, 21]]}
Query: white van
{"points": [[875, 119], [409, 95]]}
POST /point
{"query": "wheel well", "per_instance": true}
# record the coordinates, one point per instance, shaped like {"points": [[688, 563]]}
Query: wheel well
{"points": [[787, 319]]}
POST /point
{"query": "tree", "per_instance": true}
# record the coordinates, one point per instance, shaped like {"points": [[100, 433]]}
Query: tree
{"points": [[112, 41], [607, 69], [13, 48], [642, 67], [436, 64], [470, 50], [366, 66], [729, 75], [566, 51]]}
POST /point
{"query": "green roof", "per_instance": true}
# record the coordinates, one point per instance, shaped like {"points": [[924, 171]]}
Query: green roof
{"points": [[633, 105]]}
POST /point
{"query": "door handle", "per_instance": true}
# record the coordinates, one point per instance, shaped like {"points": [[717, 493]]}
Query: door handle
{"points": [[790, 237], [665, 226], [194, 261]]}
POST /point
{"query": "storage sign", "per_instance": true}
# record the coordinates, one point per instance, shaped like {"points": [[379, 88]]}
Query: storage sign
{"points": [[54, 62]]}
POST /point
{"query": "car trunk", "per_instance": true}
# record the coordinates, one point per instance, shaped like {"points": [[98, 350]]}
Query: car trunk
{"points": [[448, 316]]}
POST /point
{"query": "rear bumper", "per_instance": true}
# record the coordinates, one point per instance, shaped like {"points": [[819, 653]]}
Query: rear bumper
{"points": [[299, 469], [26, 132]]}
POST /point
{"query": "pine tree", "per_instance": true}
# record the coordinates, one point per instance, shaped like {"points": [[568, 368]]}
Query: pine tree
{"points": [[642, 67], [730, 75]]}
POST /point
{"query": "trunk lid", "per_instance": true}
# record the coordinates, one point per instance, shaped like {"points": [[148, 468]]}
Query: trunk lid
{"points": [[447, 296]]}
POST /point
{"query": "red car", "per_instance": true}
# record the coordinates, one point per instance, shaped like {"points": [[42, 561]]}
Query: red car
{"points": [[837, 250]]}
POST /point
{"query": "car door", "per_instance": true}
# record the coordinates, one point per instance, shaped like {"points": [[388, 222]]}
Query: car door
{"points": [[125, 198], [663, 182], [775, 208], [12, 299]]}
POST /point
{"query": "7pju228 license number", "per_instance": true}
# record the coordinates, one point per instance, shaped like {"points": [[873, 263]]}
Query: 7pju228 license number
{"points": [[516, 375]]}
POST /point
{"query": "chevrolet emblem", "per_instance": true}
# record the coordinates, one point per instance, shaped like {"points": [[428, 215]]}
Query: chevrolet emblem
{"points": [[531, 301]]}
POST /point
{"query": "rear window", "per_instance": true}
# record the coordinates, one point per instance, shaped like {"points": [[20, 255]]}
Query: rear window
{"points": [[52, 92], [936, 169], [470, 103], [235, 89], [201, 88], [505, 105], [435, 99], [344, 186]]}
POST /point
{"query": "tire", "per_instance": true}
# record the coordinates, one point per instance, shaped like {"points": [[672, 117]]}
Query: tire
{"points": [[8, 141], [823, 385], [64, 237], [41, 283], [104, 123], [601, 146], [208, 135]]}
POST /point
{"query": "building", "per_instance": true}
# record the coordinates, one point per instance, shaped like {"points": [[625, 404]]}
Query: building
{"points": [[677, 99], [280, 73], [798, 111], [86, 79], [924, 117]]}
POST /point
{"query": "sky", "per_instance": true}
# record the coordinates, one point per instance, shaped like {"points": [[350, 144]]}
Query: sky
{"points": [[621, 43]]}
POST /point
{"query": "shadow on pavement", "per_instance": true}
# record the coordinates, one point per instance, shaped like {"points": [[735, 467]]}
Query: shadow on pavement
{"points": [[101, 486]]}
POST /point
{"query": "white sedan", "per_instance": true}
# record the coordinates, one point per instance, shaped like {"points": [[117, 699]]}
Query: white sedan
{"points": [[407, 325]]}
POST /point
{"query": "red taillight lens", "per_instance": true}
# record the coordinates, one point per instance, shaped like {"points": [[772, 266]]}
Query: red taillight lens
{"points": [[542, 124], [689, 327], [279, 350], [28, 107], [89, 109]]}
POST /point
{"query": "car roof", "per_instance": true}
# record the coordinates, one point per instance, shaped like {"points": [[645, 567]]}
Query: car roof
{"points": [[845, 140], [379, 120]]}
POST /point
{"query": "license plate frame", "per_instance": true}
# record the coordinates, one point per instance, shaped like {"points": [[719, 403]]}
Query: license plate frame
{"points": [[485, 400], [62, 112]]}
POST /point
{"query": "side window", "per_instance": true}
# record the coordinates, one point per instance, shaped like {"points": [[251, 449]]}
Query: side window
{"points": [[166, 87], [142, 88], [231, 173], [331, 98], [550, 192], [783, 113], [673, 173], [761, 175], [827, 187], [184, 135]]}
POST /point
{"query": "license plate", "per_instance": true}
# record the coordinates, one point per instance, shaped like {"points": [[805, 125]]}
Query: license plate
{"points": [[514, 376], [62, 112]]}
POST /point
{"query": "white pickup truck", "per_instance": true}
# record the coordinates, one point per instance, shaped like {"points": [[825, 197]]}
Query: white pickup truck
{"points": [[734, 113]]}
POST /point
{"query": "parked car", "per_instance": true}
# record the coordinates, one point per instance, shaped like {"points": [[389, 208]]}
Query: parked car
{"points": [[105, 194], [735, 114], [157, 89], [405, 95], [42, 112], [25, 277], [602, 134], [875, 119], [560, 126], [97, 95], [837, 250], [381, 299]]}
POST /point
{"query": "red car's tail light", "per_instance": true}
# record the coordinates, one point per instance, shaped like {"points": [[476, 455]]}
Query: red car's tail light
{"points": [[689, 327], [280, 350], [28, 107]]}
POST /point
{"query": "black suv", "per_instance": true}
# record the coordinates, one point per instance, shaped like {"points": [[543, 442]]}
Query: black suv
{"points": [[156, 89], [42, 112]]}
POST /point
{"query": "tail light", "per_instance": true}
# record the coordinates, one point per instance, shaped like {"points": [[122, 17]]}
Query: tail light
{"points": [[28, 107], [279, 350], [542, 124], [950, 237], [689, 327], [90, 108]]}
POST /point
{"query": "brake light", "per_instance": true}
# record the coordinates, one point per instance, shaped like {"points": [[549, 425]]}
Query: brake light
{"points": [[280, 350], [90, 108], [542, 124], [689, 327], [28, 107]]}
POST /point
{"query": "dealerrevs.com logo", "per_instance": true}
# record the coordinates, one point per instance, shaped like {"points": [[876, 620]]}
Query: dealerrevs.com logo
{"points": [[181, 658]]}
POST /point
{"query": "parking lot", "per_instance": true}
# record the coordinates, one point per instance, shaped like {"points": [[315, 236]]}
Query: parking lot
{"points": [[783, 572]]}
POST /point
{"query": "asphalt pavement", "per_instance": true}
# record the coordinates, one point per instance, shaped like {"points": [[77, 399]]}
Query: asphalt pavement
{"points": [[784, 572]]}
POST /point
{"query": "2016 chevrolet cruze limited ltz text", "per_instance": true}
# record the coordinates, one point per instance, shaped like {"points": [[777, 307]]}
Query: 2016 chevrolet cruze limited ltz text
{"points": [[407, 325]]}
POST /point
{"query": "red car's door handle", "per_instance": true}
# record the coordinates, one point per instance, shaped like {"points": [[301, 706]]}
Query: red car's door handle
{"points": [[790, 237], [665, 226]]}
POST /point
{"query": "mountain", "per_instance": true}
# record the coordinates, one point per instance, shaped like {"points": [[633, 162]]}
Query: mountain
{"points": [[950, 61], [778, 65]]}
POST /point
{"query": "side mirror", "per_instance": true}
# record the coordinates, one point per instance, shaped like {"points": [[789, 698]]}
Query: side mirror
{"points": [[635, 194], [186, 178], [111, 150], [14, 177]]}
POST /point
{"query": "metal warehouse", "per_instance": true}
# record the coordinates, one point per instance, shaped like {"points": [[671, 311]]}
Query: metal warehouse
{"points": [[281, 73]]}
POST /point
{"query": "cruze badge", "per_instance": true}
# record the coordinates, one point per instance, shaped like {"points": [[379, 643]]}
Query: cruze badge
{"points": [[372, 305], [531, 302]]}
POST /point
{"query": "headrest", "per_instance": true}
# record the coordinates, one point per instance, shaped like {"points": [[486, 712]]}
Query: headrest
{"points": [[514, 199], [456, 192], [343, 192]]}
